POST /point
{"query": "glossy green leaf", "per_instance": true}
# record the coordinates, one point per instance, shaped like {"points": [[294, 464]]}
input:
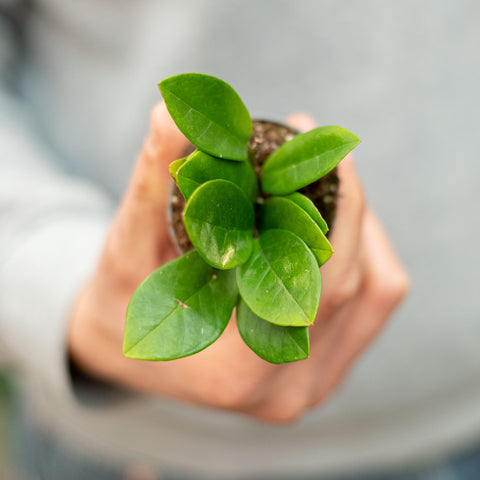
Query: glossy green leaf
{"points": [[304, 202], [209, 113], [201, 167], [273, 343], [306, 158], [175, 166], [219, 221], [283, 213], [281, 281], [180, 309]]}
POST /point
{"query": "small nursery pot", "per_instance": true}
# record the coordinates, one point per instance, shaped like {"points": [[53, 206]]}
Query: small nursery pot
{"points": [[266, 137]]}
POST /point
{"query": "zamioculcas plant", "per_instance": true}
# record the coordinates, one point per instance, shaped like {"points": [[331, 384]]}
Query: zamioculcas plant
{"points": [[257, 241]]}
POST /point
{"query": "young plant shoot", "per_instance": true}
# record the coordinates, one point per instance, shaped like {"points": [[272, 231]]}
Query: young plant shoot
{"points": [[258, 242]]}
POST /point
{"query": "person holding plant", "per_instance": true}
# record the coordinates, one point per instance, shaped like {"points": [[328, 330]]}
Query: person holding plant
{"points": [[82, 224], [364, 281]]}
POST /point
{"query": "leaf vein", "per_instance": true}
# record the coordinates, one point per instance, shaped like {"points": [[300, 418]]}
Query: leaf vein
{"points": [[283, 285], [221, 127], [172, 312]]}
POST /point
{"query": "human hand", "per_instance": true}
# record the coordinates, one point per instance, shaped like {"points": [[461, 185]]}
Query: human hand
{"points": [[362, 284]]}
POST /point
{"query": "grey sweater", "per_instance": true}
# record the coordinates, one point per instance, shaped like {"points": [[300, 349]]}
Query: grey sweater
{"points": [[78, 81]]}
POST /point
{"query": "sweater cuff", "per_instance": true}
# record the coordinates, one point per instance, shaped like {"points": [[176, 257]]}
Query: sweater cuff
{"points": [[39, 283]]}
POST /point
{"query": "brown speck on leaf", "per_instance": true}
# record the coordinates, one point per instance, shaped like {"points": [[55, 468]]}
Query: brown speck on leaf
{"points": [[181, 304], [214, 277]]}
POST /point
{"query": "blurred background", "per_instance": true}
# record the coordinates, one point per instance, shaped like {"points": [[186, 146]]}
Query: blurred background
{"points": [[404, 76], [5, 446]]}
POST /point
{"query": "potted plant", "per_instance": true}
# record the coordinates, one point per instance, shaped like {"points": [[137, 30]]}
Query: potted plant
{"points": [[257, 241]]}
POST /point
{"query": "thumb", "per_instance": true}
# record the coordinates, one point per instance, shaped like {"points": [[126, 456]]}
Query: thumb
{"points": [[139, 234], [164, 144]]}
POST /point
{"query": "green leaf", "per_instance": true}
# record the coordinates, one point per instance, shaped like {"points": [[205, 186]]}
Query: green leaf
{"points": [[306, 158], [283, 213], [219, 221], [304, 202], [209, 113], [281, 281], [174, 167], [201, 167], [273, 343], [180, 309]]}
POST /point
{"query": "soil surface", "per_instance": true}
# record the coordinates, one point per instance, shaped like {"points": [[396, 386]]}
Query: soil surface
{"points": [[266, 138]]}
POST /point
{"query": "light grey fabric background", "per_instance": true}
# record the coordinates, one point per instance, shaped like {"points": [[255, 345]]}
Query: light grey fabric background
{"points": [[403, 75]]}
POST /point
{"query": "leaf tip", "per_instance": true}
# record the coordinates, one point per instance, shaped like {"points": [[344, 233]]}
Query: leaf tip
{"points": [[126, 350]]}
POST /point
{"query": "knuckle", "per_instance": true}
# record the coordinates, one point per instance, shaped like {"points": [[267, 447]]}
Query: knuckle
{"points": [[237, 386], [394, 289], [346, 288], [286, 416], [324, 392], [319, 398], [284, 410], [156, 114], [162, 128], [115, 265], [353, 192], [147, 164], [360, 202], [232, 395], [230, 389]]}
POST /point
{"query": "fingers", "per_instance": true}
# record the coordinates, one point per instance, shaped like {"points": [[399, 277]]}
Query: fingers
{"points": [[384, 285], [139, 235], [291, 392], [346, 233], [293, 388], [148, 190], [227, 375], [301, 121], [341, 275], [386, 273]]}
